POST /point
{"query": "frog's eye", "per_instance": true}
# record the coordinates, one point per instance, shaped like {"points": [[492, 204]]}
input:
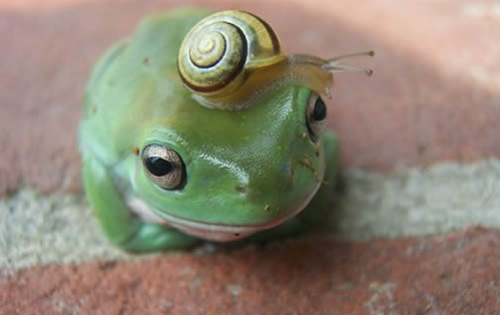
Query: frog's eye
{"points": [[164, 166], [315, 116]]}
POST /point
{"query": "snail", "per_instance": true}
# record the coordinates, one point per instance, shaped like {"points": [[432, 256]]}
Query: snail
{"points": [[229, 56]]}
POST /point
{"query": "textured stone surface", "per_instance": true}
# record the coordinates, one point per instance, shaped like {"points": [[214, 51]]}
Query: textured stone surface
{"points": [[456, 274], [431, 99], [438, 200], [435, 96], [37, 229]]}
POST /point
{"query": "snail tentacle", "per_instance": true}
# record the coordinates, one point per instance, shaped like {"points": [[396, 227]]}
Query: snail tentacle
{"points": [[229, 57]]}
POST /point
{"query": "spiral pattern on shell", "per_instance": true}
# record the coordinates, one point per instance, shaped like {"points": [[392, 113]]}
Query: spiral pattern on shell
{"points": [[220, 48]]}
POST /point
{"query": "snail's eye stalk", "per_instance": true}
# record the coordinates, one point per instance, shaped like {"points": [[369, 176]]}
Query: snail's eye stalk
{"points": [[332, 64], [230, 57], [369, 53]]}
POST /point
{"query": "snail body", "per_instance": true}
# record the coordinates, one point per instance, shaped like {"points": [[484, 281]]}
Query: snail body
{"points": [[230, 56]]}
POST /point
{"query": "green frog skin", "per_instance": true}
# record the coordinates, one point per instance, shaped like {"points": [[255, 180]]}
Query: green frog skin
{"points": [[165, 164]]}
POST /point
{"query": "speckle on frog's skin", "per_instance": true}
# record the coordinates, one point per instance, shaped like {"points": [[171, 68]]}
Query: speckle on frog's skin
{"points": [[307, 163], [267, 207], [135, 150], [304, 135], [93, 108], [145, 61]]}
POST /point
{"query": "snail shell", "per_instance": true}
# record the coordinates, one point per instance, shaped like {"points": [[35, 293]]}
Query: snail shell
{"points": [[225, 50], [229, 57]]}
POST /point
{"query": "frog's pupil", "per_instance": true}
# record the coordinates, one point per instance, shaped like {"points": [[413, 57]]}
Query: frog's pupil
{"points": [[158, 166], [319, 111]]}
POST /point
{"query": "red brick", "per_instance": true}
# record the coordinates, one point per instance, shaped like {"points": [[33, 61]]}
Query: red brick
{"points": [[456, 274]]}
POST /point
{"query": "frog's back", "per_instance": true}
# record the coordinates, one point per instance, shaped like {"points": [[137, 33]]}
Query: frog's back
{"points": [[131, 84]]}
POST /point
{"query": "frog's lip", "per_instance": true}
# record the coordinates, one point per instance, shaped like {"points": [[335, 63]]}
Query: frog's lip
{"points": [[210, 231], [216, 231], [227, 233]]}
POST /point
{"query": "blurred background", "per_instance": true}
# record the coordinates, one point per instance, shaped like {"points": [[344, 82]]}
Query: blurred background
{"points": [[435, 95]]}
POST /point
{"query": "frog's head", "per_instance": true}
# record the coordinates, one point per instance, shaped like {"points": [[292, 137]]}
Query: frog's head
{"points": [[224, 175], [239, 149]]}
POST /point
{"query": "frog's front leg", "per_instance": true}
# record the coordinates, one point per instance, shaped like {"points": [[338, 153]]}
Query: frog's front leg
{"points": [[121, 226]]}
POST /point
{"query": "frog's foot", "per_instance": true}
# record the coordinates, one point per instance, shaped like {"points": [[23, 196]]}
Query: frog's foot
{"points": [[153, 237], [123, 227]]}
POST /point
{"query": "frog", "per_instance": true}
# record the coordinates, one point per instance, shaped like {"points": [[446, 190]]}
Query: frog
{"points": [[168, 163]]}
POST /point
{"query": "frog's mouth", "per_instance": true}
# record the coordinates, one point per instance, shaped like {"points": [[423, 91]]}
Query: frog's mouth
{"points": [[216, 231], [210, 231]]}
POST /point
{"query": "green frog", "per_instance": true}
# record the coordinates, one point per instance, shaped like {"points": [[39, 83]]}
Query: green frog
{"points": [[200, 127]]}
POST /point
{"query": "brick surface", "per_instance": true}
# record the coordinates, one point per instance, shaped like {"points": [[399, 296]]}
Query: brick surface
{"points": [[457, 274], [434, 96]]}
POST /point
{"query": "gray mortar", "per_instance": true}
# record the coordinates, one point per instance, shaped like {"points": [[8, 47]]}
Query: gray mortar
{"points": [[417, 202], [37, 229]]}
